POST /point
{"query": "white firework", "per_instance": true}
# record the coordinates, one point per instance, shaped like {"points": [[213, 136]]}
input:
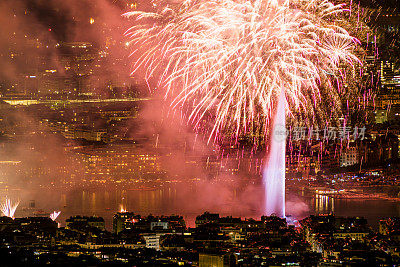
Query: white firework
{"points": [[231, 59], [54, 215], [8, 208]]}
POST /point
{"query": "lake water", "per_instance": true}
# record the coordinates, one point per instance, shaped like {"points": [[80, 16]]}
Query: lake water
{"points": [[188, 201]]}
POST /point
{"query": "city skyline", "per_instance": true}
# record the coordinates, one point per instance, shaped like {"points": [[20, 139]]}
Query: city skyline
{"points": [[82, 137]]}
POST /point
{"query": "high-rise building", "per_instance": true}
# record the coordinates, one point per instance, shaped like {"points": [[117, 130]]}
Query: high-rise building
{"points": [[124, 221]]}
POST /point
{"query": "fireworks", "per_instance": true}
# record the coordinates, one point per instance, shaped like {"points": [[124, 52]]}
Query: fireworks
{"points": [[232, 58], [8, 208], [54, 215]]}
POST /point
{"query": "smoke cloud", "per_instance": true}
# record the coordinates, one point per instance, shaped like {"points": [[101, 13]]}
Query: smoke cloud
{"points": [[207, 175]]}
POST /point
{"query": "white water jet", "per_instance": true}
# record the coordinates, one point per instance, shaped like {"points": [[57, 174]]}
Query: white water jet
{"points": [[274, 170]]}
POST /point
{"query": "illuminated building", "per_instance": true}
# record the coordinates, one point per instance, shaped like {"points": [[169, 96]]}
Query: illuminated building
{"points": [[349, 157], [124, 221], [119, 162], [81, 221]]}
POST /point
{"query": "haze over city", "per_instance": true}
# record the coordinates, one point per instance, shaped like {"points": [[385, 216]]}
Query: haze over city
{"points": [[199, 133]]}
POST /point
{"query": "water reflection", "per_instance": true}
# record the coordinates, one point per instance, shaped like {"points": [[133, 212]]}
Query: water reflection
{"points": [[188, 201], [324, 204]]}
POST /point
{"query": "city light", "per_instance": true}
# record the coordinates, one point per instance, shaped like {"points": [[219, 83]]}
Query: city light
{"points": [[200, 132]]}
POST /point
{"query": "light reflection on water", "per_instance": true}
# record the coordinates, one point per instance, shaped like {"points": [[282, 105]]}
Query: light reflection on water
{"points": [[371, 209], [189, 202]]}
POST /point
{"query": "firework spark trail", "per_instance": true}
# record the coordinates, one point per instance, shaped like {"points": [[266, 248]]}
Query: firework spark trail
{"points": [[8, 208], [232, 58], [54, 215]]}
